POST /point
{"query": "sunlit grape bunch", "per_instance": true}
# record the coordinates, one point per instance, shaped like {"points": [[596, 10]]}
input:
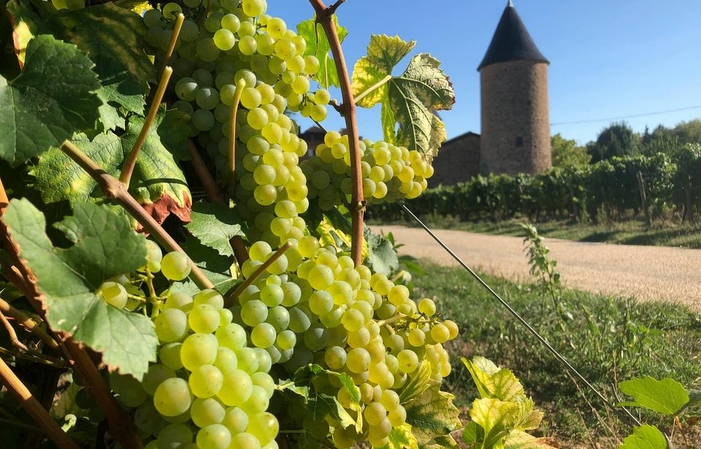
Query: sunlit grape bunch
{"points": [[223, 43], [209, 388], [389, 172]]}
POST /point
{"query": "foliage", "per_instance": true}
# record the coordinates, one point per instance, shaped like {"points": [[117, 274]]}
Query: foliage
{"points": [[610, 188], [565, 152], [667, 397], [150, 306], [616, 140], [503, 413]]}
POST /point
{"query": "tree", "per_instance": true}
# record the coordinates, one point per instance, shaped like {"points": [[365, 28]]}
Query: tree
{"points": [[565, 152], [618, 139]]}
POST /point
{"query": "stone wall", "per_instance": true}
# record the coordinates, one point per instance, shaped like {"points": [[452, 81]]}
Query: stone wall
{"points": [[458, 160]]}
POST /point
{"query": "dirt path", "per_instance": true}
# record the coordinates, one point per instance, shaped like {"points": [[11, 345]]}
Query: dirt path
{"points": [[644, 272]]}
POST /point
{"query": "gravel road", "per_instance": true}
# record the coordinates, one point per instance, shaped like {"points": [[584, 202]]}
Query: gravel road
{"points": [[643, 272]]}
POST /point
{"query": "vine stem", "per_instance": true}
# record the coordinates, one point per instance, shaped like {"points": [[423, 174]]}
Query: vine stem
{"points": [[240, 85], [128, 169], [116, 190], [324, 16], [177, 26], [34, 408], [27, 323], [256, 274]]}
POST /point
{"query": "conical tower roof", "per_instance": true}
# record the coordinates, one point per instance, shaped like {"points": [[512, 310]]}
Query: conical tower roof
{"points": [[511, 41]]}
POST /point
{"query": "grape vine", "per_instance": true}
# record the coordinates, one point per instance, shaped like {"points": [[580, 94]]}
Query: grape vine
{"points": [[263, 322]]}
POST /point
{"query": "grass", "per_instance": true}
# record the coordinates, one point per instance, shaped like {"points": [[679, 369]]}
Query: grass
{"points": [[630, 232], [607, 339]]}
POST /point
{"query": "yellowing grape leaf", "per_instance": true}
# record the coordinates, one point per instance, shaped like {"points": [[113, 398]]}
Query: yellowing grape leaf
{"points": [[322, 404], [318, 45], [401, 438], [410, 99], [495, 417], [522, 440], [493, 382], [103, 246], [432, 417], [214, 225], [58, 177], [666, 396], [645, 437], [52, 98], [418, 383]]}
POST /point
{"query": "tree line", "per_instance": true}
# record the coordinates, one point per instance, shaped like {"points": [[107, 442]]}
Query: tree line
{"points": [[621, 175]]}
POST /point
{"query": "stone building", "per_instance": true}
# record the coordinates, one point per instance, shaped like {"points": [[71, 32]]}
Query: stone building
{"points": [[515, 122]]}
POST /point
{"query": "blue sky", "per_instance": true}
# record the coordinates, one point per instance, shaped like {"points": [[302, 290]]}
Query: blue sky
{"points": [[609, 59]]}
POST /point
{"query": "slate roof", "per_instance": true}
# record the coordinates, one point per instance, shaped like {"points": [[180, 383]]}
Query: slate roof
{"points": [[511, 41]]}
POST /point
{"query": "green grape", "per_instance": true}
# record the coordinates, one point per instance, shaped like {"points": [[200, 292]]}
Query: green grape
{"points": [[374, 413], [235, 419], [198, 349], [224, 39], [172, 397], [209, 296], [169, 355], [170, 10], [155, 376], [299, 320], [204, 318], [264, 426], [279, 318], [263, 335], [440, 333], [206, 381], [335, 357], [113, 294], [214, 436], [254, 312], [152, 17], [174, 436], [207, 98], [207, 50], [231, 336], [236, 388], [408, 361], [247, 359], [206, 411], [175, 266], [245, 440], [276, 27], [286, 339], [358, 360], [230, 22], [254, 8], [171, 325], [203, 120]]}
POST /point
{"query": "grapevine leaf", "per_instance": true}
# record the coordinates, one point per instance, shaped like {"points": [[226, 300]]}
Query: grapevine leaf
{"points": [[495, 417], [58, 177], [417, 384], [214, 225], [401, 438], [666, 396], [215, 266], [384, 53], [501, 384], [432, 417], [645, 437], [52, 98], [113, 37], [103, 246], [321, 404], [522, 440], [157, 183], [318, 45], [409, 99], [332, 235], [382, 257], [413, 96]]}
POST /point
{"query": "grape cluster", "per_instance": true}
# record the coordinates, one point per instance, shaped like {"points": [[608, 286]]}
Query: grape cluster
{"points": [[389, 172], [312, 305], [230, 44], [209, 387], [212, 385]]}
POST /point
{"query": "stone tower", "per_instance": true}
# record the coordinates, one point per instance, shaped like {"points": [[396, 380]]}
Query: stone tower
{"points": [[514, 101]]}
